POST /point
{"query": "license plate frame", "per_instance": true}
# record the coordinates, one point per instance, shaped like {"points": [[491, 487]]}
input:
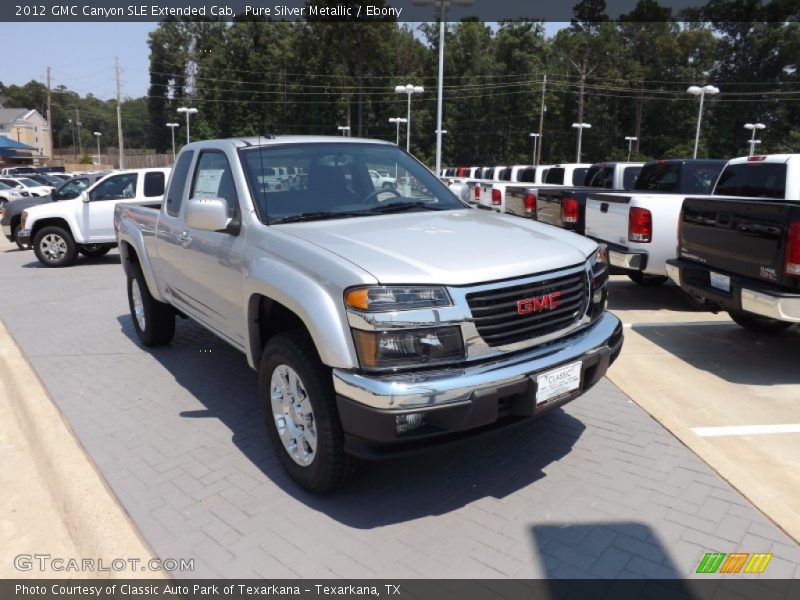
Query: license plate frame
{"points": [[558, 383], [719, 281]]}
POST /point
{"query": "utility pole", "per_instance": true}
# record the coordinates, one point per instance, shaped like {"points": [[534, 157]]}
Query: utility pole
{"points": [[538, 158], [78, 124], [49, 115], [119, 115]]}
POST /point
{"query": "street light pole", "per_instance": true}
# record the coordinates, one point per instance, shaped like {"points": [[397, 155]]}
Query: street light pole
{"points": [[188, 111], [753, 141], [442, 6], [397, 121], [172, 127], [630, 139], [580, 127], [700, 91], [97, 134], [535, 137], [408, 89]]}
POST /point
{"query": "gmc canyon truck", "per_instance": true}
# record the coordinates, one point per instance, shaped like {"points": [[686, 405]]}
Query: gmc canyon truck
{"points": [[742, 254], [566, 206], [373, 325], [639, 228]]}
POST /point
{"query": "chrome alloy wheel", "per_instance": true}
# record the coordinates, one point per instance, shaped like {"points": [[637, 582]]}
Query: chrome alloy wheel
{"points": [[293, 414], [53, 247], [138, 304]]}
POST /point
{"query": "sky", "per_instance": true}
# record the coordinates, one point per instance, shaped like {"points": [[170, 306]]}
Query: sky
{"points": [[84, 60]]}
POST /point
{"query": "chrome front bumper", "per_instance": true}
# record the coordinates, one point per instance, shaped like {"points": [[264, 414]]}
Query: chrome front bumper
{"points": [[436, 388]]}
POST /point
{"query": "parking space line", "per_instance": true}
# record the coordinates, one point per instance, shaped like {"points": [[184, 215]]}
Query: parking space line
{"points": [[680, 324], [746, 430]]}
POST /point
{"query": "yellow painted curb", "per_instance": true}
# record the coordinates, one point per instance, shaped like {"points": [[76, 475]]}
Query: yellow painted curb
{"points": [[97, 523]]}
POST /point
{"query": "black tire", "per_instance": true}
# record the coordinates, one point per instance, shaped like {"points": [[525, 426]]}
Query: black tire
{"points": [[55, 247], [758, 323], [157, 324], [387, 185], [647, 280], [15, 229], [94, 250], [330, 466]]}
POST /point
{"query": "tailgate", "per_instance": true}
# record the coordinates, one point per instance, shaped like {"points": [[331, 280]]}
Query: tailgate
{"points": [[741, 236], [607, 218], [548, 207], [515, 200]]}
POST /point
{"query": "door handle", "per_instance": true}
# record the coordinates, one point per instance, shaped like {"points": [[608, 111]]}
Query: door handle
{"points": [[185, 239]]}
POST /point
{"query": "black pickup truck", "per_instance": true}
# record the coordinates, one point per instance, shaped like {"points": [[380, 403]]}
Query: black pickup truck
{"points": [[566, 206], [742, 255]]}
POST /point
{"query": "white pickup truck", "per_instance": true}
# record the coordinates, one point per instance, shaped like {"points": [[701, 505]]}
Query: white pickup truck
{"points": [[374, 326], [494, 194], [639, 228], [58, 231]]}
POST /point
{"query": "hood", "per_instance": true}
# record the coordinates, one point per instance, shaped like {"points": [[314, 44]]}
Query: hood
{"points": [[458, 247]]}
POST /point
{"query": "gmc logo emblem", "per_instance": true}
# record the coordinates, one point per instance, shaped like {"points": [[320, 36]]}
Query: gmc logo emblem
{"points": [[532, 305]]}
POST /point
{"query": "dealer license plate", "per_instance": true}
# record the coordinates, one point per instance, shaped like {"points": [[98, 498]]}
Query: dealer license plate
{"points": [[558, 382], [720, 281]]}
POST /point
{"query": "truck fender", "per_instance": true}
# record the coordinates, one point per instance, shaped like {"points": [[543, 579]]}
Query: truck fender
{"points": [[318, 308], [131, 237], [64, 216]]}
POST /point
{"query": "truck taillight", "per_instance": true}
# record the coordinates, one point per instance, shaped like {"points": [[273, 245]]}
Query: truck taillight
{"points": [[569, 210], [791, 265], [530, 203], [477, 192], [496, 197], [640, 225]]}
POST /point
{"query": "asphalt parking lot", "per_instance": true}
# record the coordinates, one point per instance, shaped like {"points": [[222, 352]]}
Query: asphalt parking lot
{"points": [[597, 489]]}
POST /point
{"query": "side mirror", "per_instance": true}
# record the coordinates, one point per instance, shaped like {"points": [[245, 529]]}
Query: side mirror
{"points": [[207, 214], [84, 196]]}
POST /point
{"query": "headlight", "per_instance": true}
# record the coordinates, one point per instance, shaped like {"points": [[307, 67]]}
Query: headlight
{"points": [[389, 298], [405, 348]]}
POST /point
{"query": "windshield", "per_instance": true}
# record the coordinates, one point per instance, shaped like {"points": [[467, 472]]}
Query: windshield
{"points": [[28, 182], [336, 180]]}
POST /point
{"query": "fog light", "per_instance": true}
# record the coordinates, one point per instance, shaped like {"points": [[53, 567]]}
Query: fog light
{"points": [[408, 422]]}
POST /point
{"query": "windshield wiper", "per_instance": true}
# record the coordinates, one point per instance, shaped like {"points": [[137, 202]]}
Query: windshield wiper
{"points": [[400, 207], [316, 215]]}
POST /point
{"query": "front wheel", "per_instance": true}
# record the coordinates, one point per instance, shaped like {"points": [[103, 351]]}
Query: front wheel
{"points": [[55, 247], [302, 420], [646, 280], [758, 323], [153, 321], [94, 250]]}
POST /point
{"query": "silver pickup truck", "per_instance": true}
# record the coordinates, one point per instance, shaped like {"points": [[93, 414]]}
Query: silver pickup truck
{"points": [[380, 320]]}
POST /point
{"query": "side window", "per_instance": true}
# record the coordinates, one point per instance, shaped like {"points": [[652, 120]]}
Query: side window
{"points": [[177, 183], [119, 187], [213, 179], [154, 184], [72, 189]]}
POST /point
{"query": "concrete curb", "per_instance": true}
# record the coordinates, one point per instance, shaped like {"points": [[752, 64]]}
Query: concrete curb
{"points": [[96, 521]]}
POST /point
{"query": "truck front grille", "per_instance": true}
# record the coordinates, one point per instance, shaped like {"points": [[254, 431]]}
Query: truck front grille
{"points": [[506, 315]]}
